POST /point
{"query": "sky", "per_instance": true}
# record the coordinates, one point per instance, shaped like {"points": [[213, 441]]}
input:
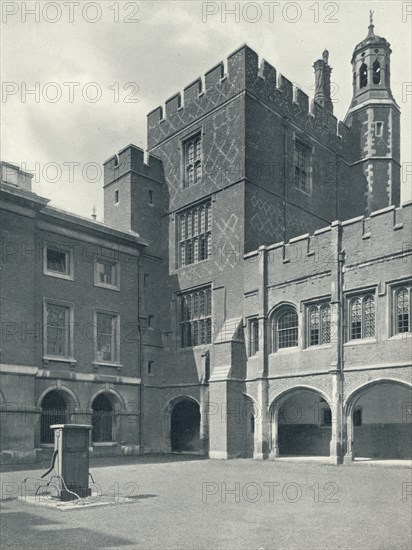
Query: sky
{"points": [[96, 69]]}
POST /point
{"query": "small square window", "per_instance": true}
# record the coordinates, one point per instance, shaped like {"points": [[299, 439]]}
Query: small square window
{"points": [[107, 273], [150, 368], [58, 261], [150, 321], [150, 199], [116, 196]]}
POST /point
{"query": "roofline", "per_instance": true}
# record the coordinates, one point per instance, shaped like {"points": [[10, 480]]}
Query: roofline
{"points": [[62, 217]]}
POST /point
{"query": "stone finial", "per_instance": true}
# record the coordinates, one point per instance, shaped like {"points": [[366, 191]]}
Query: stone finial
{"points": [[371, 33]]}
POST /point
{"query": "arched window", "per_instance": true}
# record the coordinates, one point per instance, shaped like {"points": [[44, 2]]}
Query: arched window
{"points": [[286, 326], [319, 325], [362, 317], [402, 310], [376, 72], [102, 419], [363, 75], [54, 410]]}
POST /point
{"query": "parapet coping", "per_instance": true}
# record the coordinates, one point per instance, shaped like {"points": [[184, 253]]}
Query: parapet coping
{"points": [[336, 223]]}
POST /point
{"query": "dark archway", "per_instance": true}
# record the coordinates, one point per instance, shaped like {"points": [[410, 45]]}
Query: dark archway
{"points": [[54, 410], [304, 424], [102, 419], [185, 426], [380, 421]]}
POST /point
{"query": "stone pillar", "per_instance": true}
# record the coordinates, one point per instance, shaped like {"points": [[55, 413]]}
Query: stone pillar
{"points": [[261, 449], [336, 440], [274, 452], [217, 420], [349, 455], [204, 419]]}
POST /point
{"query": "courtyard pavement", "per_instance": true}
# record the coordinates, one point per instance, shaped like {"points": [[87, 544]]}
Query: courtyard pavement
{"points": [[186, 502]]}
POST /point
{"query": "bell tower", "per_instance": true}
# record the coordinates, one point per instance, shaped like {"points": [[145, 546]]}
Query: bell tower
{"points": [[374, 119]]}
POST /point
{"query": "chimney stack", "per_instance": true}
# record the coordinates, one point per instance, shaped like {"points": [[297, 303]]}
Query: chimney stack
{"points": [[322, 82]]}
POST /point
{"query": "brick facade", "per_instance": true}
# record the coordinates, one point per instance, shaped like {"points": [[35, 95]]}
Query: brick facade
{"points": [[275, 168]]}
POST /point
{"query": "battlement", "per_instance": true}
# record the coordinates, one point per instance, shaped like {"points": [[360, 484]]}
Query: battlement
{"points": [[384, 232], [223, 82], [131, 159]]}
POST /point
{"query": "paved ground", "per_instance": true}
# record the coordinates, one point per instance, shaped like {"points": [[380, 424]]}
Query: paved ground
{"points": [[190, 503]]}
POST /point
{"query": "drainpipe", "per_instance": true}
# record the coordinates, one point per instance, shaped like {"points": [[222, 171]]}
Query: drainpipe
{"points": [[337, 365], [140, 351]]}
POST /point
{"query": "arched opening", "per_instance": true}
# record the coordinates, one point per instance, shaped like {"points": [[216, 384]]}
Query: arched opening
{"points": [[185, 426], [54, 410], [301, 424], [363, 75], [380, 421], [376, 72], [102, 419]]}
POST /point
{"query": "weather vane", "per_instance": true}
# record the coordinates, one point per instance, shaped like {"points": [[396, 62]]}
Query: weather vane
{"points": [[371, 17]]}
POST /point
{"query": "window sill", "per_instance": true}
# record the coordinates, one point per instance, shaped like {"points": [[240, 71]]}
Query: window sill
{"points": [[47, 445], [318, 347], [193, 263], [401, 336], [286, 350], [307, 193], [58, 275], [105, 444], [50, 358], [107, 287], [360, 342], [107, 364]]}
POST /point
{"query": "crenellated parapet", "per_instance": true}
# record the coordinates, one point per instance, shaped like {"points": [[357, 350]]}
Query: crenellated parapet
{"points": [[242, 73], [132, 159], [384, 233]]}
